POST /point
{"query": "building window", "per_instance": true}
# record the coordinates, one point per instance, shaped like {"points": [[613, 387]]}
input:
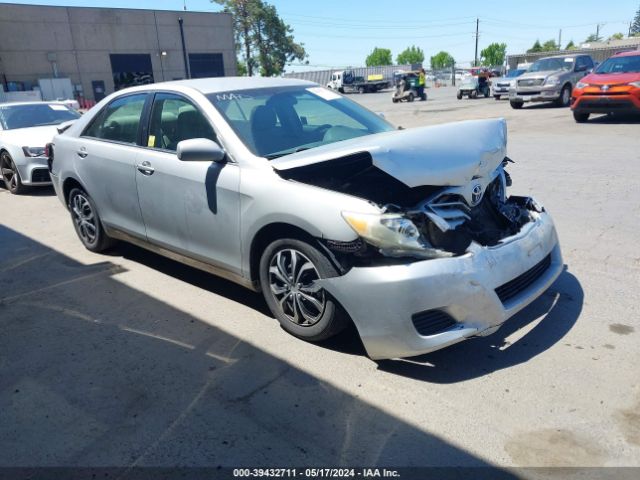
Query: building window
{"points": [[131, 69], [206, 65]]}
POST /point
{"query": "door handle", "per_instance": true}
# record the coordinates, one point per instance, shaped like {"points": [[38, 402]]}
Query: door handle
{"points": [[82, 153], [145, 168]]}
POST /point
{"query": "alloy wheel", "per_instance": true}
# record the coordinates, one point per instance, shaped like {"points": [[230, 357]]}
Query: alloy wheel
{"points": [[9, 172], [84, 218], [292, 280]]}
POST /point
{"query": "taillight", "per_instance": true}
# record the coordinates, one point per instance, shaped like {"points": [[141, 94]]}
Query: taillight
{"points": [[48, 152]]}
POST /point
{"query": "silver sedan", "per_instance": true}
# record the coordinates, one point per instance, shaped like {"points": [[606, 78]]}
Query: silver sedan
{"points": [[336, 216]]}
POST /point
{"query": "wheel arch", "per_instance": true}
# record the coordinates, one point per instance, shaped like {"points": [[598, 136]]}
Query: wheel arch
{"points": [[69, 184], [267, 234]]}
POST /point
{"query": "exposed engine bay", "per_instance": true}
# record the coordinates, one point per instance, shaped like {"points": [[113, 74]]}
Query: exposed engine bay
{"points": [[438, 221]]}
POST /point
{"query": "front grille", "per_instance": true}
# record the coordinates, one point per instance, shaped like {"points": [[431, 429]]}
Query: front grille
{"points": [[40, 175], [530, 82], [519, 284], [431, 322], [603, 103]]}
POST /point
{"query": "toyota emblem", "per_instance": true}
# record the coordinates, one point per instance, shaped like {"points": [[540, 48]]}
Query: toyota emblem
{"points": [[476, 194], [604, 88]]}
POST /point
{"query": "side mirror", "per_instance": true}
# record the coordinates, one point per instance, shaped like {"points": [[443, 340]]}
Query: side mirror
{"points": [[200, 150]]}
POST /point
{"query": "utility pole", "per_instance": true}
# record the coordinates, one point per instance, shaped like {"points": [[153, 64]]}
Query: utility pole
{"points": [[630, 23], [475, 63], [560, 40], [597, 32]]}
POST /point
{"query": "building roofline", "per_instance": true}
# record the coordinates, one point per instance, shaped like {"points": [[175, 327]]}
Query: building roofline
{"points": [[74, 7]]}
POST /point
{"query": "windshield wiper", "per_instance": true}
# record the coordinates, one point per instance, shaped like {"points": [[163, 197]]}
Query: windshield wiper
{"points": [[271, 156]]}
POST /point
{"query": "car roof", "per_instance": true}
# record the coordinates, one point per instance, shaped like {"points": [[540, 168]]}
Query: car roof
{"points": [[630, 53], [226, 84], [566, 56], [13, 104]]}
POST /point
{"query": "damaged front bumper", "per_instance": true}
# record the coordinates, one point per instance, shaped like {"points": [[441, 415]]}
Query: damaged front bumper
{"points": [[448, 299]]}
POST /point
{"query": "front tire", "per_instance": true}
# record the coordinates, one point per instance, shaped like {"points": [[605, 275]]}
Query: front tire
{"points": [[497, 97], [10, 174], [87, 222], [459, 95], [289, 269], [565, 97], [516, 105], [580, 117], [410, 97]]}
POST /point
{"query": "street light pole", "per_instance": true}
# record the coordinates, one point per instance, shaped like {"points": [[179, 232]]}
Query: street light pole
{"points": [[475, 62]]}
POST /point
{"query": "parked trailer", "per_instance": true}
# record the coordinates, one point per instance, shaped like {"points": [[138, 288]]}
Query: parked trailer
{"points": [[371, 74]]}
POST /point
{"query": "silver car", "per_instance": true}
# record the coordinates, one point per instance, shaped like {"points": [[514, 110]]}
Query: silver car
{"points": [[25, 129], [550, 79], [291, 189]]}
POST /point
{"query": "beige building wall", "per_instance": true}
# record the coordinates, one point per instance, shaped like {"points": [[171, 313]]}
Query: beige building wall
{"points": [[77, 42]]}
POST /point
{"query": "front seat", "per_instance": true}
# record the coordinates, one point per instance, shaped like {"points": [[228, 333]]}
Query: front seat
{"points": [[267, 137], [192, 124]]}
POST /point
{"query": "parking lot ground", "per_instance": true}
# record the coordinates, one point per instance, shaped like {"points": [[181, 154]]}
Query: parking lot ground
{"points": [[129, 359]]}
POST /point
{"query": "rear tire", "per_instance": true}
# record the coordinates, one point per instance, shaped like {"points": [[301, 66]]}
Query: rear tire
{"points": [[289, 269], [516, 105], [86, 222], [473, 94], [459, 95], [10, 174], [580, 117], [410, 97]]}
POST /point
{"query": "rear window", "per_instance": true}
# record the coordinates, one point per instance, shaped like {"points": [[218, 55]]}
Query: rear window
{"points": [[35, 115]]}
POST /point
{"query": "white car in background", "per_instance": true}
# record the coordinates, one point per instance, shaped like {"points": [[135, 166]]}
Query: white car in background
{"points": [[25, 129]]}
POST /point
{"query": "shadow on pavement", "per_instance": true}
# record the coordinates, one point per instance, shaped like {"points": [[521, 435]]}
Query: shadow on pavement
{"points": [[46, 191], [96, 373], [559, 309]]}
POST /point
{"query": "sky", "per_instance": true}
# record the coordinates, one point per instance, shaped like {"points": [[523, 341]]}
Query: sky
{"points": [[341, 33]]}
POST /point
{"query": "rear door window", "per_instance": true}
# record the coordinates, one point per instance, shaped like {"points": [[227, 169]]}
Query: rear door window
{"points": [[119, 121]]}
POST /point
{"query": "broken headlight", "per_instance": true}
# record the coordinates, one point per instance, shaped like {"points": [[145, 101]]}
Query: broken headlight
{"points": [[394, 234]]}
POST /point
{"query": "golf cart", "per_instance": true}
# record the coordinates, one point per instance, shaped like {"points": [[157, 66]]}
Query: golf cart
{"points": [[473, 86], [406, 87]]}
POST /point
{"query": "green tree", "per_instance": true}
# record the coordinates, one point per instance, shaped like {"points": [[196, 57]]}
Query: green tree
{"points": [[550, 46], [410, 55], [266, 43], [571, 46], [535, 48], [442, 60], [594, 37], [493, 55], [617, 36], [635, 26], [379, 56]]}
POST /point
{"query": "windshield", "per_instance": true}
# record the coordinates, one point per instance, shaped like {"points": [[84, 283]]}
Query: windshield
{"points": [[620, 65], [273, 122], [514, 73], [547, 64], [35, 115]]}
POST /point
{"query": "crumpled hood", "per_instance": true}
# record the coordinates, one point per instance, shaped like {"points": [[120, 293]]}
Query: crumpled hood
{"points": [[29, 137], [449, 155]]}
